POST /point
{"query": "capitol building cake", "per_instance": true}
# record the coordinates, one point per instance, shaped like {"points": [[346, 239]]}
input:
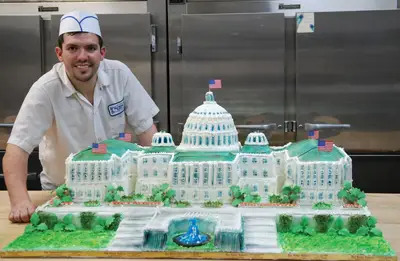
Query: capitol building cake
{"points": [[208, 161]]}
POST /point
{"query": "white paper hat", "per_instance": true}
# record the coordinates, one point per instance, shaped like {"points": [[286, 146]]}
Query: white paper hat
{"points": [[79, 21]]}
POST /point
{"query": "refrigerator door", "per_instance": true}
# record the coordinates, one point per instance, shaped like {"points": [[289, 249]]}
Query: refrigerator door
{"points": [[20, 63], [245, 51], [347, 72]]}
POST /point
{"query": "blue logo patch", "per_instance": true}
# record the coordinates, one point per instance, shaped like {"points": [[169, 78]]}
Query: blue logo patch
{"points": [[116, 108]]}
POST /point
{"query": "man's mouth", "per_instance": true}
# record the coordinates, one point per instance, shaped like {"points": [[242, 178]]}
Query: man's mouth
{"points": [[82, 66]]}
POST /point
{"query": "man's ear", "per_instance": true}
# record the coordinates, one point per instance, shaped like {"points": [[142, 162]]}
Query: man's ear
{"points": [[103, 52], [59, 53]]}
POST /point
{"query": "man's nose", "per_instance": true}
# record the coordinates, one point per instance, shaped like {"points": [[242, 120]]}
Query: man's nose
{"points": [[82, 54]]}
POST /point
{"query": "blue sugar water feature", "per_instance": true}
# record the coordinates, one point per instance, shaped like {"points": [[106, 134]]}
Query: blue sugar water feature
{"points": [[193, 237]]}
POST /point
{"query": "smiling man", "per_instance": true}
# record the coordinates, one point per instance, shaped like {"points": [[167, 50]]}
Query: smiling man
{"points": [[83, 99]]}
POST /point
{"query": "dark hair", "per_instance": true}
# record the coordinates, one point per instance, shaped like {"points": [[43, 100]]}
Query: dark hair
{"points": [[60, 39]]}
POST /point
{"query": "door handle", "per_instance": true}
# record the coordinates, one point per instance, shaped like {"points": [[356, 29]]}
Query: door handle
{"points": [[6, 125], [321, 126], [268, 126]]}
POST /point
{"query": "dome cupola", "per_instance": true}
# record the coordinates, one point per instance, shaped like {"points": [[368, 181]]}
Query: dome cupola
{"points": [[209, 128], [256, 138], [162, 138]]}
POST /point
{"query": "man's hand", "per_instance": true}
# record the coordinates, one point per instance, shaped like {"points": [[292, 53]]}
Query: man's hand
{"points": [[15, 167], [21, 212]]}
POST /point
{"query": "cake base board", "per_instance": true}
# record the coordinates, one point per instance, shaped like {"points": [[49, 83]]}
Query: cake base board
{"points": [[191, 255]]}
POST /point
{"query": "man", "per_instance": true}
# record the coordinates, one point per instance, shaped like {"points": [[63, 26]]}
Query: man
{"points": [[83, 99]]}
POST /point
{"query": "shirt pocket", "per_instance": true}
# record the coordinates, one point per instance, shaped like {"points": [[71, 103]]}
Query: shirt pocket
{"points": [[117, 124]]}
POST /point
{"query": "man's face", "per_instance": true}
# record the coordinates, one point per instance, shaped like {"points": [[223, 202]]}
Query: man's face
{"points": [[81, 55]]}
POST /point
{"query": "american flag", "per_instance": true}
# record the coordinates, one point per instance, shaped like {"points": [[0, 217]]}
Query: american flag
{"points": [[214, 84], [99, 148], [314, 134], [325, 145], [125, 137]]}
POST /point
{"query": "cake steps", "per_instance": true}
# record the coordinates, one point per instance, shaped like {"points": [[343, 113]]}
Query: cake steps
{"points": [[130, 234], [260, 235]]}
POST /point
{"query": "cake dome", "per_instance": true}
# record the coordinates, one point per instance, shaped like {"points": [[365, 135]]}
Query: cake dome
{"points": [[256, 138], [162, 138], [209, 128]]}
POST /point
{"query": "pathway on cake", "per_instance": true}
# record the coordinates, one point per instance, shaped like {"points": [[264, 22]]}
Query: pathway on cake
{"points": [[130, 233], [260, 234]]}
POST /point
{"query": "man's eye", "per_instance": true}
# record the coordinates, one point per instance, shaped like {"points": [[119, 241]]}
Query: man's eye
{"points": [[71, 48], [92, 48]]}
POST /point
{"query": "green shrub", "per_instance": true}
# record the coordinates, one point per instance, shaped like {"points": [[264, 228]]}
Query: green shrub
{"points": [[213, 204], [50, 219], [91, 203], [65, 224], [322, 205], [303, 227], [35, 224], [115, 224], [369, 229], [182, 204], [109, 223], [355, 222], [289, 195], [113, 194], [64, 194], [162, 193], [352, 195], [87, 219], [323, 222], [338, 228], [243, 195], [285, 223]]}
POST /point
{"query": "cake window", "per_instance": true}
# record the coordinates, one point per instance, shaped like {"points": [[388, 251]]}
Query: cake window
{"points": [[266, 188], [320, 196], [302, 195], [229, 178], [244, 160], [144, 161], [312, 195], [154, 159], [183, 194], [200, 141], [265, 173], [165, 160], [255, 173], [255, 188], [206, 195], [145, 173], [264, 161], [220, 194], [244, 173], [254, 160], [155, 173], [207, 141]]}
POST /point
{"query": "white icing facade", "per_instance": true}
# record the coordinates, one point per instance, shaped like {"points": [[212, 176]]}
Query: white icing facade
{"points": [[88, 179], [209, 160]]}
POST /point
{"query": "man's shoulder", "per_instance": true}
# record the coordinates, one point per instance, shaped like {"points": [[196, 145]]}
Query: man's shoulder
{"points": [[113, 65], [50, 78]]}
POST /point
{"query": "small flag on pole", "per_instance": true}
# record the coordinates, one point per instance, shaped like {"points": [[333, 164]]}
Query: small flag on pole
{"points": [[99, 148], [321, 145], [328, 145], [314, 134], [214, 84], [125, 137], [325, 145]]}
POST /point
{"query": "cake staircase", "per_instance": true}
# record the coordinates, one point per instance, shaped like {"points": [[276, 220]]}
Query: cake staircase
{"points": [[260, 234], [130, 234]]}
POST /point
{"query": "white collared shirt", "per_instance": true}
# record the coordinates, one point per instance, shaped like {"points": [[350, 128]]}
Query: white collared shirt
{"points": [[62, 121]]}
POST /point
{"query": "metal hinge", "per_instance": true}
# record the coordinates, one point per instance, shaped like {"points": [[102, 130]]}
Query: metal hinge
{"points": [[178, 45], [153, 38], [290, 126]]}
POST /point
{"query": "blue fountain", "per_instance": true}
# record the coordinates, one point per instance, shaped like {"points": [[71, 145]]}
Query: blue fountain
{"points": [[193, 237]]}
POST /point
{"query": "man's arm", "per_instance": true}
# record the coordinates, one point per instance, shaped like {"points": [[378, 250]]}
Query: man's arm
{"points": [[146, 137], [15, 166]]}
